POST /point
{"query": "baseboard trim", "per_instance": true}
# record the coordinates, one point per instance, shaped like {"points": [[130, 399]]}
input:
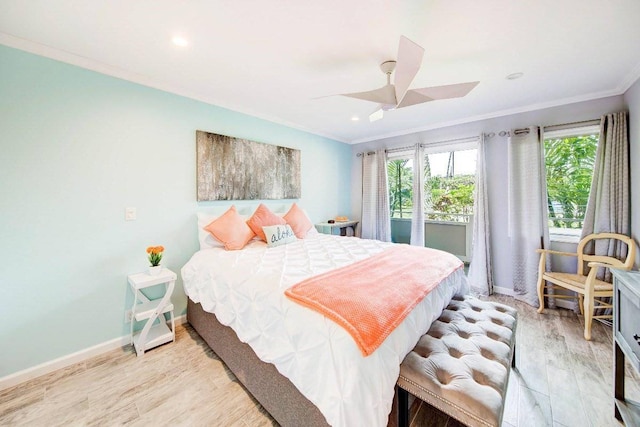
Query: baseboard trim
{"points": [[562, 303], [70, 359], [503, 291]]}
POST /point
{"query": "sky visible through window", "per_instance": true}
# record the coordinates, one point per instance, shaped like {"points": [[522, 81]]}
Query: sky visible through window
{"points": [[465, 163]]}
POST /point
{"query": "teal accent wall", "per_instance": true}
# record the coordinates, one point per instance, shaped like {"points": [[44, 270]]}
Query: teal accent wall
{"points": [[76, 148]]}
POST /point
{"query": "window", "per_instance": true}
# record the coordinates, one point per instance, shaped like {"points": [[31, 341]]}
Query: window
{"points": [[449, 184], [400, 176], [448, 195], [450, 179], [569, 158]]}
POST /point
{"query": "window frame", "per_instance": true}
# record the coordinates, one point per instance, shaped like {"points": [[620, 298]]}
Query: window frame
{"points": [[556, 234], [462, 144]]}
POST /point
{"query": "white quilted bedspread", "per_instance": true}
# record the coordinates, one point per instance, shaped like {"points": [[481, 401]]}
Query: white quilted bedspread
{"points": [[245, 290]]}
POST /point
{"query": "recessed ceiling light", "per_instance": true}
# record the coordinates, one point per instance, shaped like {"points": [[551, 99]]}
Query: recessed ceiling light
{"points": [[180, 41], [355, 118], [514, 76]]}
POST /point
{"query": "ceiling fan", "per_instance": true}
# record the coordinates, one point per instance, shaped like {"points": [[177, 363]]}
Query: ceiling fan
{"points": [[398, 95]]}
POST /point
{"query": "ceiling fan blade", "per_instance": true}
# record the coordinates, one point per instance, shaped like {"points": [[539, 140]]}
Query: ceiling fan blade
{"points": [[412, 98], [407, 66], [383, 95], [376, 115], [448, 91]]}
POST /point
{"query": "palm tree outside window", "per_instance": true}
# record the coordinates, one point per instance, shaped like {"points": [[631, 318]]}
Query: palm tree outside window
{"points": [[569, 160], [448, 190]]}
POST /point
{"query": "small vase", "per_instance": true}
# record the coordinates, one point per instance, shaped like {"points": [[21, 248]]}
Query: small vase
{"points": [[155, 270]]}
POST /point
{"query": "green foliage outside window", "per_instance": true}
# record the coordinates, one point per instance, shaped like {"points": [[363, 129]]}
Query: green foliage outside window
{"points": [[450, 196], [569, 169], [447, 198], [400, 178]]}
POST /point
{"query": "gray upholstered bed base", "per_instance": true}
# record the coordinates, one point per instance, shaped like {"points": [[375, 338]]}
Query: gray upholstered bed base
{"points": [[274, 392]]}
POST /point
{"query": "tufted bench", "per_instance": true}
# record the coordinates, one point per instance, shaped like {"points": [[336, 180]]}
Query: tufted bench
{"points": [[461, 365]]}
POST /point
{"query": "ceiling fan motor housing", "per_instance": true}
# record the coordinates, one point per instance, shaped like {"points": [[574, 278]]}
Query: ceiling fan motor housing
{"points": [[387, 67]]}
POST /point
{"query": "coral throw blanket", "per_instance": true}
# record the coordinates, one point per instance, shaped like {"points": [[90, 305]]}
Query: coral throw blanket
{"points": [[370, 298]]}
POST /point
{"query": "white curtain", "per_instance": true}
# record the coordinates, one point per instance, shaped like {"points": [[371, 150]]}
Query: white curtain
{"points": [[417, 219], [528, 228], [376, 223], [608, 206], [480, 270]]}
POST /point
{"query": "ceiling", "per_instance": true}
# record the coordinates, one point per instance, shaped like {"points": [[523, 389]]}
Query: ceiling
{"points": [[279, 59]]}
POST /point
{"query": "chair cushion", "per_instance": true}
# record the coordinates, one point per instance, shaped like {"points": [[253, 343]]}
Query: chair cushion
{"points": [[461, 366], [577, 281]]}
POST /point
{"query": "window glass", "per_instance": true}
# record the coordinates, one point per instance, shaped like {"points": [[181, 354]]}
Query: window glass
{"points": [[400, 176], [569, 164], [449, 184], [448, 189]]}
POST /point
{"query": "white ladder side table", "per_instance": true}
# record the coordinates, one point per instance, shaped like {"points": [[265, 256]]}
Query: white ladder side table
{"points": [[151, 309]]}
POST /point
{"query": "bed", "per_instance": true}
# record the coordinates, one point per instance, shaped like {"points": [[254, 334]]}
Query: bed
{"points": [[302, 367]]}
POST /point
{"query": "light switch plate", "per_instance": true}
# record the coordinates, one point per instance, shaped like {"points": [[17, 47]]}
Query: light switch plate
{"points": [[130, 214]]}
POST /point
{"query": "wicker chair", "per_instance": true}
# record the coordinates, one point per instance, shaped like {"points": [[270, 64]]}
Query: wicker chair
{"points": [[589, 289]]}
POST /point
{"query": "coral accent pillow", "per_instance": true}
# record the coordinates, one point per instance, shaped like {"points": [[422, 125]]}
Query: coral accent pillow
{"points": [[298, 220], [263, 217], [231, 230]]}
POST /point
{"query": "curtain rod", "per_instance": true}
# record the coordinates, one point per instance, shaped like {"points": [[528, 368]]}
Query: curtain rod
{"points": [[524, 131], [583, 123], [432, 144], [503, 133]]}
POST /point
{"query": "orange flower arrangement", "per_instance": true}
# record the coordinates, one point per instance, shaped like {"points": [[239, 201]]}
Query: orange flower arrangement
{"points": [[155, 255]]}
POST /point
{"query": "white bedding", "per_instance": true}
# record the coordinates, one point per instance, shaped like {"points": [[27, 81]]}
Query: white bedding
{"points": [[245, 290]]}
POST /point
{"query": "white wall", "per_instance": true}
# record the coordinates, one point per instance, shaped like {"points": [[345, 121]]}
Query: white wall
{"points": [[496, 162], [632, 102]]}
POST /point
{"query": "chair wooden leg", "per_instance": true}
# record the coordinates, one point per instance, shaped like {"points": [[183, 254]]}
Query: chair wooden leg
{"points": [[541, 282], [588, 316], [581, 304], [541, 293]]}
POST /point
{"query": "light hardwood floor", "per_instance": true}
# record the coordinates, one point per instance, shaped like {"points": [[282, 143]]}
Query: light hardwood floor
{"points": [[561, 380]]}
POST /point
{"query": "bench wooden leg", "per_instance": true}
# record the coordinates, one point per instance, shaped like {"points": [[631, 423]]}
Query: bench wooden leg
{"points": [[403, 408]]}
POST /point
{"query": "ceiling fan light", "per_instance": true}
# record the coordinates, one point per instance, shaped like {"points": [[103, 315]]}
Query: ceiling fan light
{"points": [[180, 41], [376, 115]]}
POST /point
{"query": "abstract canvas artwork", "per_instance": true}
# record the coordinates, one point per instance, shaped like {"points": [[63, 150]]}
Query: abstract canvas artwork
{"points": [[231, 168]]}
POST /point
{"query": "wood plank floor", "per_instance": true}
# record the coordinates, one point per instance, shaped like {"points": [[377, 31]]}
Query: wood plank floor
{"points": [[561, 380]]}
